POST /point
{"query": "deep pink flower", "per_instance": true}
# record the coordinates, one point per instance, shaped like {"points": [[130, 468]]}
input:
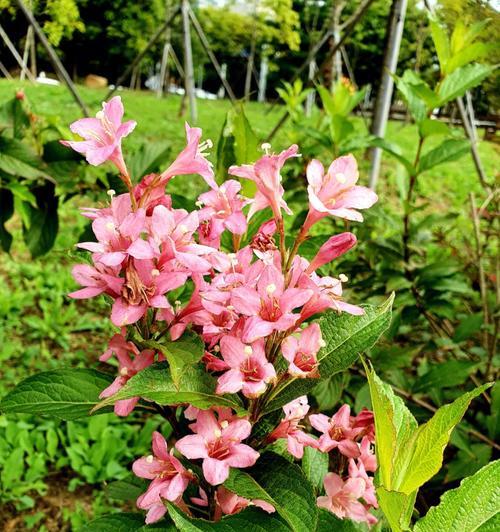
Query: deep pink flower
{"points": [[342, 497], [269, 306], [366, 421], [334, 247], [169, 479], [103, 135], [127, 368], [336, 193], [290, 428], [263, 243], [249, 369], [218, 443], [337, 432], [229, 503], [265, 173], [301, 353], [98, 279]]}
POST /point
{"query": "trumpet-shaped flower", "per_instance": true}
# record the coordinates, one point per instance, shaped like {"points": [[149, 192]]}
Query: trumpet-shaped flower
{"points": [[169, 478], [336, 193], [337, 432], [218, 443], [290, 428], [266, 174], [301, 353], [334, 247], [103, 135], [228, 503], [98, 279], [249, 370]]}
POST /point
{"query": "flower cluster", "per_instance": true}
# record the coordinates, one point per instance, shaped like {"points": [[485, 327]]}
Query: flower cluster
{"points": [[250, 298]]}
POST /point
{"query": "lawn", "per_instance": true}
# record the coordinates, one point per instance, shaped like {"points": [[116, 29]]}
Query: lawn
{"points": [[40, 328]]}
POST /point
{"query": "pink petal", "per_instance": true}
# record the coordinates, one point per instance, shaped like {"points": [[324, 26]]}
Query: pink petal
{"points": [[125, 406], [192, 446], [160, 448], [245, 300], [215, 471], [237, 430], [229, 382], [123, 314], [242, 456], [232, 350], [113, 111]]}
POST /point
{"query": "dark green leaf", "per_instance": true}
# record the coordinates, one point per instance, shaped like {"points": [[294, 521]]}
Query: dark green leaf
{"points": [[64, 393], [448, 150], [16, 159], [6, 212], [467, 327], [128, 489], [445, 375], [315, 466], [150, 158], [329, 522], [125, 522], [393, 150]]}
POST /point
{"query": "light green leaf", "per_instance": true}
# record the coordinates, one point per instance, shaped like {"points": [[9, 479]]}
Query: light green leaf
{"points": [[467, 507], [315, 466], [281, 483], [395, 151], [441, 42], [416, 105], [149, 158], [461, 80], [474, 52], [251, 519], [429, 442], [448, 150], [397, 507], [430, 127], [155, 383], [64, 393]]}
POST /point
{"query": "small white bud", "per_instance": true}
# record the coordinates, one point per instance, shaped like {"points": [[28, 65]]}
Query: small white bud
{"points": [[266, 147], [124, 372], [111, 192], [99, 115]]}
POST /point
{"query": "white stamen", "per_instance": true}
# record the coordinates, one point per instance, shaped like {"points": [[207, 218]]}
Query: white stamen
{"points": [[248, 350], [271, 288], [149, 459], [230, 307], [99, 115], [224, 424], [124, 371], [155, 272], [216, 348], [217, 433], [110, 226], [322, 343], [111, 192], [341, 178], [199, 204], [266, 147], [343, 278]]}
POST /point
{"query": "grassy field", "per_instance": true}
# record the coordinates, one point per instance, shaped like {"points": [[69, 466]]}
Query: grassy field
{"points": [[40, 328]]}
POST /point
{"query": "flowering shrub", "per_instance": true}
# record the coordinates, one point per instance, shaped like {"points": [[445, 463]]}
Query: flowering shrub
{"points": [[224, 327]]}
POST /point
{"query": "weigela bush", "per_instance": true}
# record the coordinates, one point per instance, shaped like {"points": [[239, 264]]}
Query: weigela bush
{"points": [[252, 306]]}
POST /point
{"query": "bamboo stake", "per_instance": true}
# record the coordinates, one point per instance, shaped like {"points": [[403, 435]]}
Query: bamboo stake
{"points": [[15, 53]]}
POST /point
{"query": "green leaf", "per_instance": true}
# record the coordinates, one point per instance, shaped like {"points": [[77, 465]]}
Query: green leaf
{"points": [[470, 325], [186, 351], [471, 53], [291, 389], [429, 442], [315, 466], [155, 383], [461, 80], [416, 105], [441, 42], [448, 150], [281, 483], [430, 127], [346, 336], [6, 212], [125, 522], [16, 159], [397, 507], [150, 157], [395, 151], [329, 522], [250, 519], [13, 115], [41, 233], [65, 393], [329, 390], [467, 507], [444, 375], [126, 490]]}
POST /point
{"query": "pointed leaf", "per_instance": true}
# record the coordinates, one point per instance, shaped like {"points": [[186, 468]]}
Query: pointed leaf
{"points": [[329, 522], [461, 80], [448, 150], [441, 42], [315, 466], [397, 507], [126, 522]]}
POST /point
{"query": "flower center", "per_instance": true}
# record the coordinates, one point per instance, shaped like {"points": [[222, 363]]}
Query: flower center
{"points": [[251, 370], [305, 362], [134, 291], [219, 449]]}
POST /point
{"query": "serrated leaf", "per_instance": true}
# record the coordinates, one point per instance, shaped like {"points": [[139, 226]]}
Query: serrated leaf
{"points": [[17, 160], [154, 383], [430, 127], [65, 393], [315, 466], [397, 507], [461, 80], [282, 484], [445, 375], [448, 150], [395, 151], [125, 522], [467, 507], [329, 522]]}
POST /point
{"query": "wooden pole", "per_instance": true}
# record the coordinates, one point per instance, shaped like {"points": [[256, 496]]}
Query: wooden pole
{"points": [[15, 53], [188, 62], [59, 67], [164, 58], [384, 96], [213, 59], [26, 52], [143, 52]]}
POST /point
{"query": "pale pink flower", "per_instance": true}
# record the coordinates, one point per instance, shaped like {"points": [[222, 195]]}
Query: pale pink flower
{"points": [[103, 135], [337, 432], [342, 497], [127, 368], [98, 279], [265, 173], [358, 470], [169, 479], [301, 353], [249, 369], [218, 443], [202, 499], [336, 193], [290, 428], [269, 306], [228, 503], [334, 247]]}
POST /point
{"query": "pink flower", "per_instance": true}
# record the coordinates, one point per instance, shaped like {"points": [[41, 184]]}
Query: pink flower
{"points": [[335, 192], [334, 247], [127, 368], [218, 443], [269, 306], [263, 243], [265, 173], [290, 428], [342, 497], [229, 503], [249, 369], [223, 210], [357, 470], [191, 160], [365, 421], [367, 456], [103, 135], [301, 353], [170, 479], [337, 432], [98, 279]]}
